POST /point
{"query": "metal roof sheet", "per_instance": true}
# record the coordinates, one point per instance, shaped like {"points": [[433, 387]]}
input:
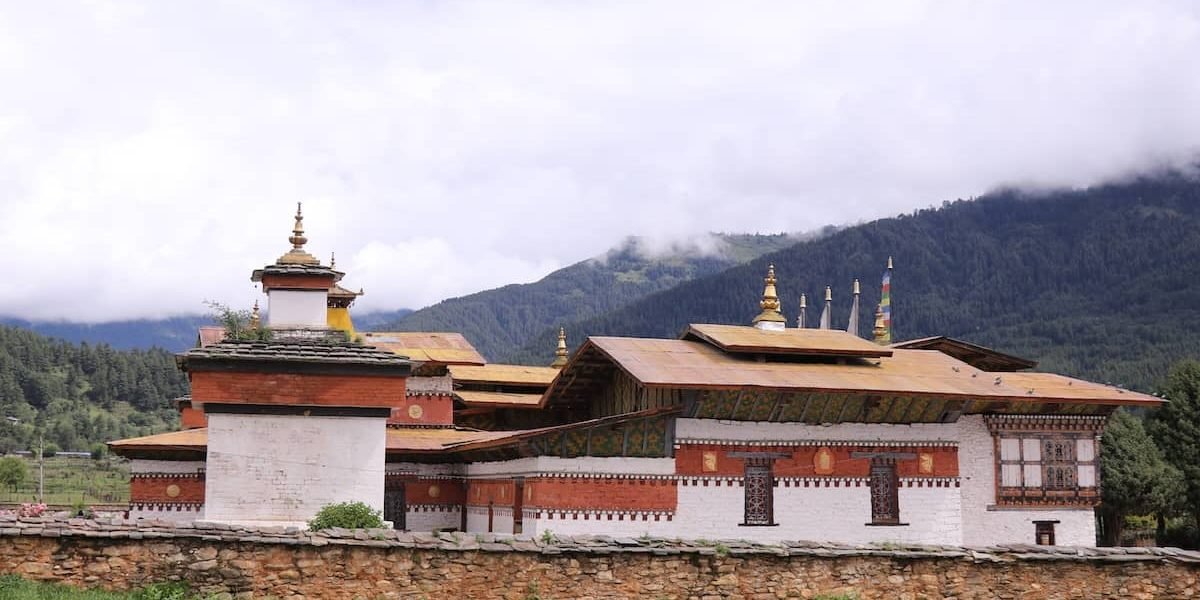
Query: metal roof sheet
{"points": [[503, 374], [499, 399], [819, 342], [692, 364], [438, 347]]}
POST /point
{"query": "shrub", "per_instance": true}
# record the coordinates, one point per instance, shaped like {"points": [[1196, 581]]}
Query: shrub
{"points": [[348, 515]]}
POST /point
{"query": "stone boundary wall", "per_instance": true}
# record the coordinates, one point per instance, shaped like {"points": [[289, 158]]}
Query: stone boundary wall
{"points": [[282, 562]]}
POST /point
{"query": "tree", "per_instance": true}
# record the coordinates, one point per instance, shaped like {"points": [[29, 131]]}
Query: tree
{"points": [[238, 324], [1137, 479], [13, 472], [1176, 427]]}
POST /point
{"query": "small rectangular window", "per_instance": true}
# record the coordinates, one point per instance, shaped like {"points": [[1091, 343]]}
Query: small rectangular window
{"points": [[1044, 533], [760, 493], [885, 493]]}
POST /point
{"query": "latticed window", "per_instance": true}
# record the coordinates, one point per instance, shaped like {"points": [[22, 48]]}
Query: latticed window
{"points": [[760, 492], [885, 492]]}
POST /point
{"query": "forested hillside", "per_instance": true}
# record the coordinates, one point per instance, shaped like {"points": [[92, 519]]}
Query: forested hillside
{"points": [[1102, 283], [79, 395], [501, 320]]}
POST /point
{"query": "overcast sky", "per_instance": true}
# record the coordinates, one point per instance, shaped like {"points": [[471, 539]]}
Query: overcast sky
{"points": [[151, 153]]}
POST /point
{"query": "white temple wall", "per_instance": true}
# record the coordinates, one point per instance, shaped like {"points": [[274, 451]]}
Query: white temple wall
{"points": [[983, 524], [931, 515], [283, 469], [297, 308], [426, 519], [502, 520]]}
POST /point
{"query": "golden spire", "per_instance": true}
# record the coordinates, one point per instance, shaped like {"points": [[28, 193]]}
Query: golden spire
{"points": [[880, 330], [297, 255], [560, 353], [254, 320], [770, 300]]}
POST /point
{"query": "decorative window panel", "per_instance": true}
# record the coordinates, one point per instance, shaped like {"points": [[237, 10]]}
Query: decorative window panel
{"points": [[1010, 475], [1033, 476], [1010, 449], [1031, 450], [1087, 476], [885, 493], [1085, 450], [760, 492], [1047, 460]]}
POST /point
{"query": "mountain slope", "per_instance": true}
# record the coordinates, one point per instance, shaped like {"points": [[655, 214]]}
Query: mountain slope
{"points": [[499, 321], [79, 395], [175, 334], [1102, 283]]}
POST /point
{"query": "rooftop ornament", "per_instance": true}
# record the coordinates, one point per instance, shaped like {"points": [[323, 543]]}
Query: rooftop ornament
{"points": [[770, 302]]}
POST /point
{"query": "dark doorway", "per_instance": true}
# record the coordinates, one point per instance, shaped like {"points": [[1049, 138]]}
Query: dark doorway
{"points": [[394, 507]]}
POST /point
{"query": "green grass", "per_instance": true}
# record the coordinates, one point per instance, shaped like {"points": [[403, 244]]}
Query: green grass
{"points": [[73, 480], [15, 588]]}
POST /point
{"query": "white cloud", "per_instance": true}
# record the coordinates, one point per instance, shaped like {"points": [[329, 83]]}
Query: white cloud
{"points": [[151, 153]]}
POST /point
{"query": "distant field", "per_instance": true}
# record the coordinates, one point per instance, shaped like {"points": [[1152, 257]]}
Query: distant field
{"points": [[71, 480]]}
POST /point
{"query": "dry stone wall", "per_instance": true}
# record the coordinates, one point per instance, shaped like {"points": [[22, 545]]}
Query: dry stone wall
{"points": [[232, 562]]}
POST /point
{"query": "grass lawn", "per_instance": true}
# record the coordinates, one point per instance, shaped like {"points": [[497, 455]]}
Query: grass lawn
{"points": [[15, 588], [71, 480]]}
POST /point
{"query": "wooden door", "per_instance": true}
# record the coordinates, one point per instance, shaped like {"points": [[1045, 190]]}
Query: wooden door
{"points": [[394, 507]]}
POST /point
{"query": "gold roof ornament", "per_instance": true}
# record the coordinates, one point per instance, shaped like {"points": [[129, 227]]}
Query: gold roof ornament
{"points": [[255, 323], [770, 300], [880, 331], [297, 255], [560, 353]]}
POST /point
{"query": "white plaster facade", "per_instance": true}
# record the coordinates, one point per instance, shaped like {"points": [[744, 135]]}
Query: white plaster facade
{"points": [[282, 469], [188, 467], [297, 308], [934, 510]]}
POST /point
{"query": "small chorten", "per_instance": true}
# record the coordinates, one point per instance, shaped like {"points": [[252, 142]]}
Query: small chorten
{"points": [[770, 318], [560, 353], [880, 330], [297, 255]]}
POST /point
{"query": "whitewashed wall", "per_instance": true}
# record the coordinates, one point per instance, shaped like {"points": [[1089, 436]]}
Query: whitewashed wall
{"points": [[271, 468], [425, 519], [522, 467], [502, 519], [296, 308], [982, 523]]}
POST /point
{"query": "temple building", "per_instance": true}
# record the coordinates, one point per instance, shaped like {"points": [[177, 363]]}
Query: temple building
{"points": [[761, 431]]}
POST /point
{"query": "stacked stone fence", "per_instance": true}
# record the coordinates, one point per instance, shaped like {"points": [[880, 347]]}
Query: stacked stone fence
{"points": [[239, 562]]}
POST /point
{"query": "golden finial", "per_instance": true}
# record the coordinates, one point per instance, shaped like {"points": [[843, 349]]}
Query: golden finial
{"points": [[560, 353], [880, 330], [857, 291], [770, 300], [828, 294], [297, 255], [298, 238], [254, 321], [889, 263]]}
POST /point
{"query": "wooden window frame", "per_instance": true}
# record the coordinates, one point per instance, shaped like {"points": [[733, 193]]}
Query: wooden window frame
{"points": [[885, 493], [759, 478], [1058, 462], [1044, 528]]}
